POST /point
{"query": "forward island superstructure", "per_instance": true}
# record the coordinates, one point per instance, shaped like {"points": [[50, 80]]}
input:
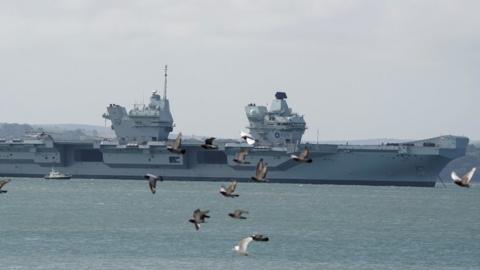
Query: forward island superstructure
{"points": [[142, 140]]}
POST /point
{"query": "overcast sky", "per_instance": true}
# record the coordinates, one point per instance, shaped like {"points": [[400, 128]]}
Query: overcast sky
{"points": [[355, 69]]}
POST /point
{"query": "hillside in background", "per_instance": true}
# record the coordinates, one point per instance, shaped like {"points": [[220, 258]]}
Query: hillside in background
{"points": [[59, 132], [89, 130], [11, 131]]}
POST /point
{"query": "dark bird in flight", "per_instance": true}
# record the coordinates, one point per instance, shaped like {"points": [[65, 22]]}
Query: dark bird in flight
{"points": [[261, 171], [465, 180], [152, 181], [260, 237], [3, 183], [177, 145], [229, 191], [240, 157], [303, 157], [199, 217], [209, 144], [238, 214]]}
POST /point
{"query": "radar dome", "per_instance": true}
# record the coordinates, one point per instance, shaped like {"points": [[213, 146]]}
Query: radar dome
{"points": [[256, 112]]}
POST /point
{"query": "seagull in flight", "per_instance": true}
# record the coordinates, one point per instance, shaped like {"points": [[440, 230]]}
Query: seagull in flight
{"points": [[238, 214], [229, 191], [240, 157], [248, 138], [3, 183], [303, 157], [152, 181], [177, 145], [199, 217], [261, 171], [465, 180], [242, 246]]}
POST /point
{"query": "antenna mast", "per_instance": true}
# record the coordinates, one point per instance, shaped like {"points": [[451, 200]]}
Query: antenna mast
{"points": [[165, 83]]}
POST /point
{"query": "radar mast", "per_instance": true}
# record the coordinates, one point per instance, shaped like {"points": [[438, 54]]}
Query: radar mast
{"points": [[165, 83]]}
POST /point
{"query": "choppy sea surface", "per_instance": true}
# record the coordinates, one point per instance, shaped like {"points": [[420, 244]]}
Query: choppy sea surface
{"points": [[119, 224]]}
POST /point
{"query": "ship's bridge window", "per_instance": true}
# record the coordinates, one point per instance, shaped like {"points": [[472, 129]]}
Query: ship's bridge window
{"points": [[211, 157]]}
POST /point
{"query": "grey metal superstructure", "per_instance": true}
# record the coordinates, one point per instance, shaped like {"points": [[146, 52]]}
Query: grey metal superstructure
{"points": [[278, 126], [152, 122], [141, 147]]}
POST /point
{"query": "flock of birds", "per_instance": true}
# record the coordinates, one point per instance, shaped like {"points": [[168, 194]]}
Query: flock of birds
{"points": [[240, 157], [199, 216]]}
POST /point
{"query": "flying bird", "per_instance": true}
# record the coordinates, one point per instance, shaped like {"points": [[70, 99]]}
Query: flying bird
{"points": [[303, 157], [3, 183], [242, 246], [238, 214], [261, 171], [465, 180], [152, 181], [247, 137], [229, 191], [177, 145], [260, 237], [209, 144], [199, 217], [240, 157]]}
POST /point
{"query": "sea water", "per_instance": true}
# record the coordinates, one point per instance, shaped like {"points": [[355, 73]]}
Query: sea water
{"points": [[119, 224]]}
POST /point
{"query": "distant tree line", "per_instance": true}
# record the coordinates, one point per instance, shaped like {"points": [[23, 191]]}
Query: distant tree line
{"points": [[11, 131], [19, 131]]}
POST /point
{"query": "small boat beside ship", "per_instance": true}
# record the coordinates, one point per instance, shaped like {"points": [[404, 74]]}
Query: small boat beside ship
{"points": [[56, 175]]}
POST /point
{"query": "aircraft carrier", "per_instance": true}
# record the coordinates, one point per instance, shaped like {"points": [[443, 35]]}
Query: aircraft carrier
{"points": [[141, 146]]}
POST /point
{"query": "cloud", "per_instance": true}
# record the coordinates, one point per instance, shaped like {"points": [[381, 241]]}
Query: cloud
{"points": [[351, 66]]}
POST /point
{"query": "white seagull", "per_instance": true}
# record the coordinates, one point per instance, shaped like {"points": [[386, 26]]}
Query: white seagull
{"points": [[247, 137], [242, 246], [465, 180]]}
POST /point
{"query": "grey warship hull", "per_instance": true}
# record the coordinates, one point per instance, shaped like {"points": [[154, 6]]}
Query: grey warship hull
{"points": [[410, 164]]}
